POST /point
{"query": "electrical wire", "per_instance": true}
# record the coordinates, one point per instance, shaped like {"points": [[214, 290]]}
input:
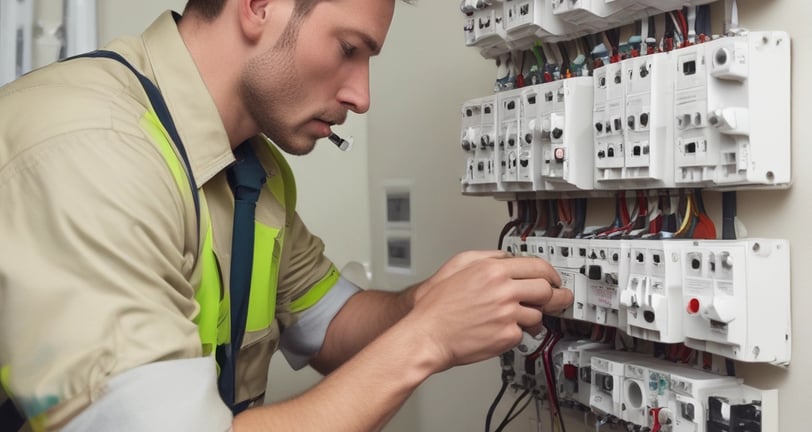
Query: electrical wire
{"points": [[510, 414], [532, 220], [553, 326], [495, 403], [509, 226], [729, 233]]}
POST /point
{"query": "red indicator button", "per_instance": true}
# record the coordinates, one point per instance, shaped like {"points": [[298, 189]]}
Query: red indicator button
{"points": [[693, 306], [570, 371]]}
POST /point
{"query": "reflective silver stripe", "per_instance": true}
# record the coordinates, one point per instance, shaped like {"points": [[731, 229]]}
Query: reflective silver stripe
{"points": [[303, 340], [173, 395]]}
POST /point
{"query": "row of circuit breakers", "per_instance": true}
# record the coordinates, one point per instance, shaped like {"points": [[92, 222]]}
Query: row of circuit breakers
{"points": [[654, 394], [498, 26], [725, 297], [712, 115]]}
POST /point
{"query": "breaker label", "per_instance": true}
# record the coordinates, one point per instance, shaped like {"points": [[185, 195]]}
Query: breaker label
{"points": [[725, 287], [567, 279], [698, 286], [602, 295]]}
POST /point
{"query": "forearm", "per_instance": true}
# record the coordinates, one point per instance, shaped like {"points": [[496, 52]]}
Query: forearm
{"points": [[363, 318], [361, 395]]}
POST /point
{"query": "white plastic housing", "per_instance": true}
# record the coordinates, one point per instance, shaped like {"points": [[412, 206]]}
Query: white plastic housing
{"points": [[608, 120], [649, 125], [737, 299], [732, 111], [565, 255], [530, 155], [574, 354], [482, 177], [564, 130], [534, 19], [508, 138], [602, 272], [608, 375], [690, 388], [651, 281]]}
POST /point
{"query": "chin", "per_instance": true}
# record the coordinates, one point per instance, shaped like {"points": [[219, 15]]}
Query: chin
{"points": [[297, 148]]}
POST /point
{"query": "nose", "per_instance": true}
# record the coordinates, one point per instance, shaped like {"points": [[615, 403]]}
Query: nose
{"points": [[354, 92]]}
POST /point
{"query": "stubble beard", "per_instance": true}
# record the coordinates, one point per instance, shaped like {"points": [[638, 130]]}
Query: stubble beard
{"points": [[270, 85]]}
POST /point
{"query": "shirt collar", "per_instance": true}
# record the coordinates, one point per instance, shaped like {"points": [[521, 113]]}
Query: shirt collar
{"points": [[196, 116]]}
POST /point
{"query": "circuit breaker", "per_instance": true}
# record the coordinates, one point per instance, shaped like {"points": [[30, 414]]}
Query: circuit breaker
{"points": [[510, 121], [565, 255], [573, 363], [602, 271], [566, 162], [736, 296], [649, 130], [651, 296], [732, 111], [608, 375], [478, 141]]}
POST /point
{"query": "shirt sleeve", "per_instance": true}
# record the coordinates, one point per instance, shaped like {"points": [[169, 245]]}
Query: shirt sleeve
{"points": [[301, 341], [95, 274], [311, 292], [174, 395]]}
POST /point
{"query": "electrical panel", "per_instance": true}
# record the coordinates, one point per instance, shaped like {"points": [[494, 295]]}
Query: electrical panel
{"points": [[668, 112], [674, 119]]}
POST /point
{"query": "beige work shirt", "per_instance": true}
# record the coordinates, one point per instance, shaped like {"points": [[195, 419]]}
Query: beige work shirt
{"points": [[99, 245]]}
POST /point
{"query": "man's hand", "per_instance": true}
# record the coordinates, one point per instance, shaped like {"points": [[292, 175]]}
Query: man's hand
{"points": [[478, 303], [453, 265]]}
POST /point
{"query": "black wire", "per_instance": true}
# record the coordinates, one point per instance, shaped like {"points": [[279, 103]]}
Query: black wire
{"points": [[703, 23], [496, 400], [510, 225], [729, 215], [510, 413]]}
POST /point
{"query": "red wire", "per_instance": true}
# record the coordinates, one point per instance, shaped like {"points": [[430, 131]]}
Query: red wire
{"points": [[683, 25], [531, 212]]}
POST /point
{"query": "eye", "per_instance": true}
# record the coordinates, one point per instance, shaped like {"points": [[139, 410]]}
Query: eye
{"points": [[347, 48]]}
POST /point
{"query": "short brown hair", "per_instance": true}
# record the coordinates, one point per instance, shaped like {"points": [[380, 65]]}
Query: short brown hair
{"points": [[210, 9]]}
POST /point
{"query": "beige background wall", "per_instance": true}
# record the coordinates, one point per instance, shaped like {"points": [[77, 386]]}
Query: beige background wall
{"points": [[411, 134]]}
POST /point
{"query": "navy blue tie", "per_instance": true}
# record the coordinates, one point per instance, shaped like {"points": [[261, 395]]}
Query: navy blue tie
{"points": [[246, 178]]}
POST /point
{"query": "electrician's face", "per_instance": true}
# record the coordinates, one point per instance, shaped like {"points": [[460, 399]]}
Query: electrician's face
{"points": [[316, 71]]}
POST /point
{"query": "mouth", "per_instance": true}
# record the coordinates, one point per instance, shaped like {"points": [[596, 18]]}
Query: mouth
{"points": [[330, 121]]}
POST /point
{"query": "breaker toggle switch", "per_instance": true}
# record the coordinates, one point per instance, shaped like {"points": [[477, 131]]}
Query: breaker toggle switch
{"points": [[731, 121], [593, 272]]}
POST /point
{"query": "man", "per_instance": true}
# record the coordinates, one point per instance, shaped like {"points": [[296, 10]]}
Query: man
{"points": [[109, 257]]}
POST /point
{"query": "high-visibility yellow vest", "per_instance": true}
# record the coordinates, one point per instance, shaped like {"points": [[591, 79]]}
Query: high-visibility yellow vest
{"points": [[213, 319]]}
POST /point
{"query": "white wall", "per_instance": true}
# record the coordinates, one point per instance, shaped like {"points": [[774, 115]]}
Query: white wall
{"points": [[419, 83]]}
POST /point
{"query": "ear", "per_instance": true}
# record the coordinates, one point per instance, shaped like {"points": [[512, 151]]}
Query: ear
{"points": [[254, 16]]}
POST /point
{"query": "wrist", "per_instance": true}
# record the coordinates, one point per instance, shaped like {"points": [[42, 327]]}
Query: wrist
{"points": [[429, 354]]}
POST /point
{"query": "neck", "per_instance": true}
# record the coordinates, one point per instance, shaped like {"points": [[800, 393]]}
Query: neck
{"points": [[219, 59]]}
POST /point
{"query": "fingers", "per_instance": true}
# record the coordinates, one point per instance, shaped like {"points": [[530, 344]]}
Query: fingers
{"points": [[531, 268], [528, 317], [540, 295], [562, 298]]}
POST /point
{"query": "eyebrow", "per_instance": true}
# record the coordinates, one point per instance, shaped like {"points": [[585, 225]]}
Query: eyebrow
{"points": [[371, 43]]}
